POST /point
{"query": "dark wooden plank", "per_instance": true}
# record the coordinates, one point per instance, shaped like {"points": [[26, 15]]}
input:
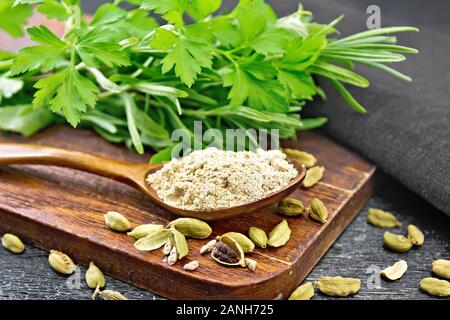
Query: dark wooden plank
{"points": [[63, 209]]}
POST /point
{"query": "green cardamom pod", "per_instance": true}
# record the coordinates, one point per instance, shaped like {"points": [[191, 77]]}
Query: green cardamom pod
{"points": [[318, 211], [95, 277], [303, 157], [180, 243], [397, 242], [290, 207], [108, 295], [12, 243], [191, 227], [117, 222], [279, 235], [313, 175], [303, 292], [435, 287], [144, 230], [228, 252], [61, 262], [246, 244], [338, 286], [441, 267], [415, 235], [258, 236], [382, 219], [153, 241]]}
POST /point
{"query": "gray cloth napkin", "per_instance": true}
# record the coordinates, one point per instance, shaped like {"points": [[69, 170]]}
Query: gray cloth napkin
{"points": [[406, 131]]}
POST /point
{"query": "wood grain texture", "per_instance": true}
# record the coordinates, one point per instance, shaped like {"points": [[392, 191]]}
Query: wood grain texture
{"points": [[58, 208], [356, 253]]}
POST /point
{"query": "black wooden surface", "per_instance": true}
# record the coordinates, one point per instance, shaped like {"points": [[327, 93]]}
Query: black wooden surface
{"points": [[359, 252]]}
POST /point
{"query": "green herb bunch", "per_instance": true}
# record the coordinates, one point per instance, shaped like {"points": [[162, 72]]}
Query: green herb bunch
{"points": [[134, 81]]}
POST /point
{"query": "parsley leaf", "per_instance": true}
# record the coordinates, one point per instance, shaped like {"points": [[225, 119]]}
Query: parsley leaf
{"points": [[95, 47], [137, 23], [164, 6], [253, 16], [300, 83], [54, 10], [226, 33], [13, 118], [45, 56], [253, 82], [187, 58], [199, 9], [163, 39], [12, 18], [302, 52], [271, 41], [68, 91], [107, 13]]}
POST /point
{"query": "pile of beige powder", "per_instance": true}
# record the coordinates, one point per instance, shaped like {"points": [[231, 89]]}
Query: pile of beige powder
{"points": [[211, 178]]}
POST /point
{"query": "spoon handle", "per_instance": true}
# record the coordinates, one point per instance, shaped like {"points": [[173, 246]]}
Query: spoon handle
{"points": [[35, 154]]}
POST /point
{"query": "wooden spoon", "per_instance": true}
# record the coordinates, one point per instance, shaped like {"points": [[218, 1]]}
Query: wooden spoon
{"points": [[132, 174]]}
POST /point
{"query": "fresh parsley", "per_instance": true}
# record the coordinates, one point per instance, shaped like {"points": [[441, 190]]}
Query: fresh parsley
{"points": [[134, 81]]}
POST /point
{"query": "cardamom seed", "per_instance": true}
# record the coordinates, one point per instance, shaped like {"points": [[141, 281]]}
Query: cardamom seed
{"points": [[228, 252], [382, 219], [208, 247], [191, 266], [167, 247], [95, 277], [246, 244], [303, 292], [290, 207], [173, 256], [279, 235], [180, 243], [144, 230], [258, 236], [303, 157], [441, 267], [313, 175], [117, 222], [153, 241], [318, 211], [108, 295], [397, 242], [395, 271], [251, 264], [61, 262], [338, 286], [12, 243], [435, 287], [191, 227], [415, 235]]}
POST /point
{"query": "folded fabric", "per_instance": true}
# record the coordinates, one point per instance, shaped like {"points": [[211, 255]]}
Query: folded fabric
{"points": [[406, 131]]}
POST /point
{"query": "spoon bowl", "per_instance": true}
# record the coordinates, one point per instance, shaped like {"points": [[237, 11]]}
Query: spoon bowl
{"points": [[134, 175]]}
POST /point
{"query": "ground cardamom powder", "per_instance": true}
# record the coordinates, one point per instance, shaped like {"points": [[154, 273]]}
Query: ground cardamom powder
{"points": [[211, 178]]}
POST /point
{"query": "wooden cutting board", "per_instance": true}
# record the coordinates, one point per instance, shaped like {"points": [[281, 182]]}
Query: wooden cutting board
{"points": [[62, 209]]}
